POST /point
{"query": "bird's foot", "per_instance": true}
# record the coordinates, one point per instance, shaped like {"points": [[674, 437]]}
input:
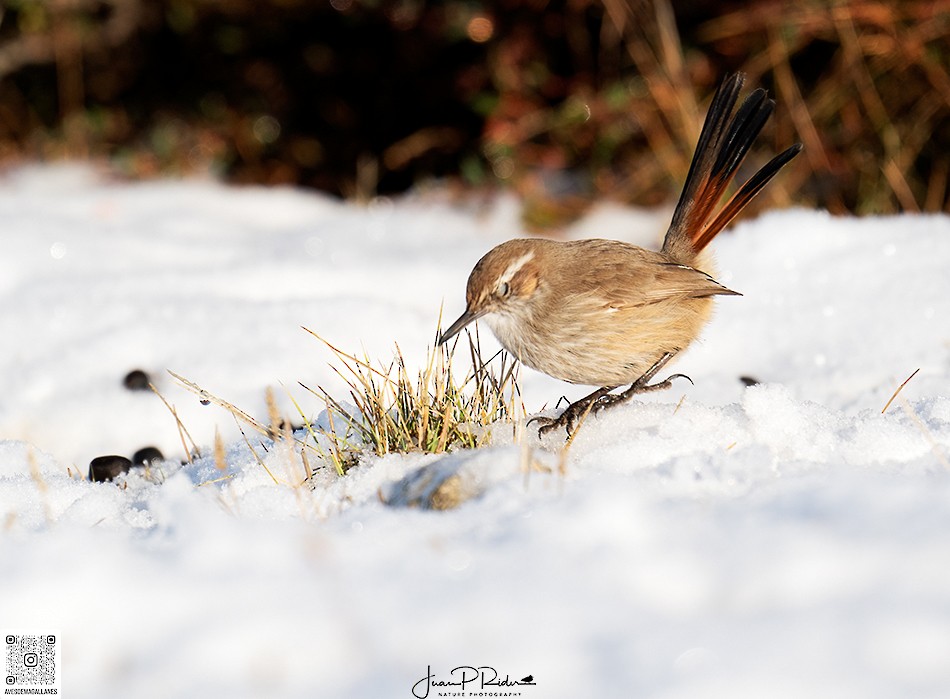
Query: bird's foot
{"points": [[601, 399], [568, 418], [635, 389]]}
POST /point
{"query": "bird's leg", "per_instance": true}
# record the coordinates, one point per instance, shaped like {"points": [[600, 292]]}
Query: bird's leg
{"points": [[641, 385], [602, 399], [571, 412]]}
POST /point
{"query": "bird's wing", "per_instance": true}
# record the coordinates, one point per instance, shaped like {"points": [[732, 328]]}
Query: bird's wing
{"points": [[670, 280], [630, 276]]}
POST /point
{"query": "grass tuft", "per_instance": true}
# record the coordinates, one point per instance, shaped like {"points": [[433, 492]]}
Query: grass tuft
{"points": [[394, 411], [388, 410]]}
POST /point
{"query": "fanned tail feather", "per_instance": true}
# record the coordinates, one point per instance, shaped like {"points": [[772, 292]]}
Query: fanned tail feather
{"points": [[723, 144]]}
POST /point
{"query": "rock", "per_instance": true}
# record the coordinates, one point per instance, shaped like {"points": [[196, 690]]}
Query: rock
{"points": [[137, 380], [105, 468], [146, 456], [434, 487]]}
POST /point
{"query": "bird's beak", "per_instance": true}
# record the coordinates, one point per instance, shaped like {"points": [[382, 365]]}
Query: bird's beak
{"points": [[462, 321]]}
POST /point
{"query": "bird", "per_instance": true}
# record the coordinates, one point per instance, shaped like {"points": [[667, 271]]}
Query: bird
{"points": [[608, 313]]}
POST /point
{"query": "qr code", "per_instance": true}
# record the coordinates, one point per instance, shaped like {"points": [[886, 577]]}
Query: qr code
{"points": [[32, 661]]}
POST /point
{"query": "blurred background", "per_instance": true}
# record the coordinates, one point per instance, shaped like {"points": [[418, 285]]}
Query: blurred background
{"points": [[562, 101]]}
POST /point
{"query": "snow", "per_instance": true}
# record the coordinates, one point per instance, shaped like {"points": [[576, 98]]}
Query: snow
{"points": [[781, 540]]}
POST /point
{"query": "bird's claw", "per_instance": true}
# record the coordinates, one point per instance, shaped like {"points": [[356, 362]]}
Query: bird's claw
{"points": [[549, 424]]}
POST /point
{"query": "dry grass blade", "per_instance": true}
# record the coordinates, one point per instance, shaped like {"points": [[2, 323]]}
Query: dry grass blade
{"points": [[220, 457], [182, 431], [241, 416], [254, 453], [206, 397], [899, 389], [935, 446], [341, 458]]}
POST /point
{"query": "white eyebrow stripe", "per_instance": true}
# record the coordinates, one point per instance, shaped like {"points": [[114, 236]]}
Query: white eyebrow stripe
{"points": [[514, 267]]}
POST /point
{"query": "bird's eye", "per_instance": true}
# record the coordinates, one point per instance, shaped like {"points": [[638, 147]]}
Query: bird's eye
{"points": [[504, 289]]}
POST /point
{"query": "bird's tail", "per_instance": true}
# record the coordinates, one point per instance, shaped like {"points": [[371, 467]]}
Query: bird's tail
{"points": [[723, 144]]}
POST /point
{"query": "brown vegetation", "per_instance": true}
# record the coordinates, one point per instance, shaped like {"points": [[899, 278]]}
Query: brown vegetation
{"points": [[563, 100]]}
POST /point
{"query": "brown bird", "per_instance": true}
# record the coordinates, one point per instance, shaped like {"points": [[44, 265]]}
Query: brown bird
{"points": [[607, 313]]}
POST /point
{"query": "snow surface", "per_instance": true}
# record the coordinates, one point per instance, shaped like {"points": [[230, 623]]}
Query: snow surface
{"points": [[780, 540]]}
